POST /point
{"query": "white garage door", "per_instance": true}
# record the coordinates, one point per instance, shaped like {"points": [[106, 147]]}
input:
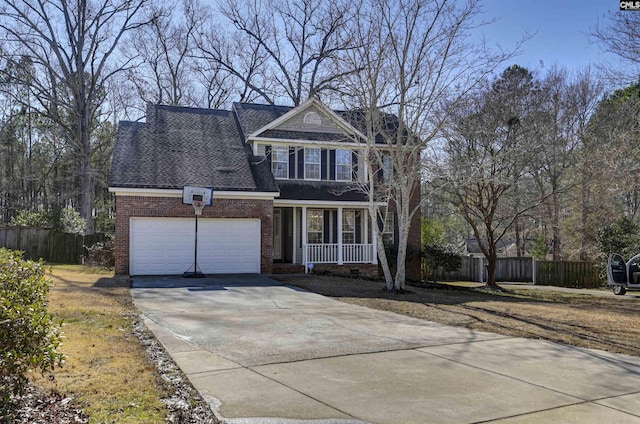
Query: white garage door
{"points": [[166, 245]]}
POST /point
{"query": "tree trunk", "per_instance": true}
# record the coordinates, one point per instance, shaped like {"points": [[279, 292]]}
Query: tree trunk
{"points": [[384, 263], [86, 184], [519, 242], [401, 272], [86, 191], [492, 263], [584, 219], [556, 248]]}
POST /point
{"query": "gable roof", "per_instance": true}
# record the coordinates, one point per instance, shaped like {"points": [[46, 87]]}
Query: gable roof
{"points": [[180, 146], [266, 121], [251, 116]]}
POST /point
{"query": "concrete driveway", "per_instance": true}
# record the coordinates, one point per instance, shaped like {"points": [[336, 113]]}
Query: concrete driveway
{"points": [[262, 352]]}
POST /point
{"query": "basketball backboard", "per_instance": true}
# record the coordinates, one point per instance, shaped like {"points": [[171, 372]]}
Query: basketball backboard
{"points": [[202, 194]]}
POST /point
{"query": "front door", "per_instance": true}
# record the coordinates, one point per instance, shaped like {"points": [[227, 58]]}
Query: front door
{"points": [[277, 234]]}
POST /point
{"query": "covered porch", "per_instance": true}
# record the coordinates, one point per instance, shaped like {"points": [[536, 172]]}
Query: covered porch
{"points": [[317, 234]]}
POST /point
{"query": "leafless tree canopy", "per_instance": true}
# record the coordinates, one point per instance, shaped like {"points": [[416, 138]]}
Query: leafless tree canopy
{"points": [[619, 34], [71, 45], [282, 52], [418, 61]]}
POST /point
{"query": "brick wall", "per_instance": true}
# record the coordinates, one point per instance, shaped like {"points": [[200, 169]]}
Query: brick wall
{"points": [[414, 242], [143, 206], [348, 270]]}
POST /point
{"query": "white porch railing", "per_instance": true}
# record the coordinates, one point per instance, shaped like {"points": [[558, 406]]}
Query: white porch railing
{"points": [[357, 253], [328, 253]]}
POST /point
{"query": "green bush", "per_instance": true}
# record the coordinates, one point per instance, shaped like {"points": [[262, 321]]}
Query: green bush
{"points": [[29, 218], [29, 336], [66, 220], [621, 236], [436, 256], [102, 253]]}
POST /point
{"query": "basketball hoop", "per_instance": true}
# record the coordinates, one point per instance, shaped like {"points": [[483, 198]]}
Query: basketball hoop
{"points": [[198, 197], [198, 205]]}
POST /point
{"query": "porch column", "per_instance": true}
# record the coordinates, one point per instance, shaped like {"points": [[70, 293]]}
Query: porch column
{"points": [[293, 260], [374, 239], [304, 239], [365, 228], [340, 258]]}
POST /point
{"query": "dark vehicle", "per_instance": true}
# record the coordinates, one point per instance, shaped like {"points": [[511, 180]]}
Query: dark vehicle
{"points": [[621, 275]]}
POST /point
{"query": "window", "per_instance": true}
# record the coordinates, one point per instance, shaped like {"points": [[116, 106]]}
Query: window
{"points": [[387, 168], [348, 227], [315, 222], [343, 165], [387, 232], [312, 163], [280, 161], [312, 118]]}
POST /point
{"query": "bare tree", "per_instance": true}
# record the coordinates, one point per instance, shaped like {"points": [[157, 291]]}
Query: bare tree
{"points": [[611, 156], [417, 58], [72, 45], [566, 104], [164, 52], [491, 146], [620, 34], [282, 51]]}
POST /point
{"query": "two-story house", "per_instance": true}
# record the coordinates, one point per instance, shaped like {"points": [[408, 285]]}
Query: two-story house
{"points": [[286, 192]]}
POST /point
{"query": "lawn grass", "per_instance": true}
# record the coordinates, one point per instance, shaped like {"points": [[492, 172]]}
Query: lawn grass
{"points": [[606, 323], [107, 370]]}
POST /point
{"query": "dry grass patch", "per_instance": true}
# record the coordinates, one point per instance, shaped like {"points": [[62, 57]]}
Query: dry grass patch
{"points": [[606, 323], [107, 370]]}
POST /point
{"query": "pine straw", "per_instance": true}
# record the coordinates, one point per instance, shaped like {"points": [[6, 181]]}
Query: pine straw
{"points": [[606, 323]]}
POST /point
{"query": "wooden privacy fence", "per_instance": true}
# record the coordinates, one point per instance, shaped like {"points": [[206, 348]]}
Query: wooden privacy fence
{"points": [[48, 244], [567, 274], [527, 269]]}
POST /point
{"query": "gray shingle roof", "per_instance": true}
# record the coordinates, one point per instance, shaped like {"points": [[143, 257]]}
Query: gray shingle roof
{"points": [[303, 135], [252, 117], [180, 146], [320, 190]]}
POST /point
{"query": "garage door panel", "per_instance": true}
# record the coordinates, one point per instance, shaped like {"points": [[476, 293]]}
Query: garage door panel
{"points": [[166, 245]]}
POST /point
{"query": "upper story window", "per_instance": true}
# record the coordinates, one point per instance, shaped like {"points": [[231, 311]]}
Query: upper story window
{"points": [[312, 163], [387, 231], [387, 168], [312, 118], [280, 161], [344, 165]]}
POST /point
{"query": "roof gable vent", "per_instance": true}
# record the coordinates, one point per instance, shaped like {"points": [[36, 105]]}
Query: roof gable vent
{"points": [[312, 118]]}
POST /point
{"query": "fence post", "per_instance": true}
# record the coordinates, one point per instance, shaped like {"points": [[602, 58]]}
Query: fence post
{"points": [[533, 269]]}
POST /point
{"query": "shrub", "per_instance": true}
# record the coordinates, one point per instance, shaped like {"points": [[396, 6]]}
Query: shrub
{"points": [[66, 220], [102, 253], [29, 337], [621, 236], [436, 256], [29, 218], [69, 221]]}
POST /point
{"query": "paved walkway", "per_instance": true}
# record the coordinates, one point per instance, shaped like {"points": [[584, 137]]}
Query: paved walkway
{"points": [[261, 352]]}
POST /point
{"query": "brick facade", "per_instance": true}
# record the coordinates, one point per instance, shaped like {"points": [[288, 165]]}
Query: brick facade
{"points": [[146, 206], [348, 270], [414, 243]]}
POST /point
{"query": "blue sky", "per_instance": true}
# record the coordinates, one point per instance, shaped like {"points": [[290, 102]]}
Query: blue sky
{"points": [[562, 30]]}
